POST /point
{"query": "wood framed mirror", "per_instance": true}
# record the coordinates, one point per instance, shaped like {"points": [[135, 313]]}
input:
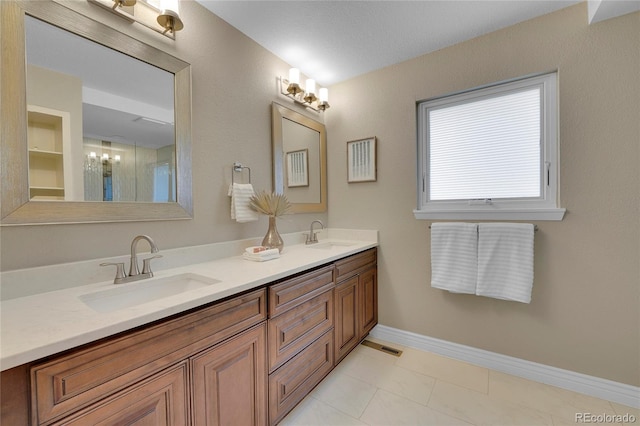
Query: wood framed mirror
{"points": [[299, 159], [19, 205]]}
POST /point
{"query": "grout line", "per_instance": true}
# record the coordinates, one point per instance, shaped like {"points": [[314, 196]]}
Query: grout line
{"points": [[433, 388], [359, 418]]}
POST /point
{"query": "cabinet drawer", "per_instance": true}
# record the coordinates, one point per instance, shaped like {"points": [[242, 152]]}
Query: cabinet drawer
{"points": [[75, 380], [290, 332], [292, 292], [159, 400], [294, 380], [352, 264]]}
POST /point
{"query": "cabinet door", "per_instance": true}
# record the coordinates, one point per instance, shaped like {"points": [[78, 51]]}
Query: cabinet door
{"points": [[160, 400], [230, 381], [368, 296], [346, 325]]}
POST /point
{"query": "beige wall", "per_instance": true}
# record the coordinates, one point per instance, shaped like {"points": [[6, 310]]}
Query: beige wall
{"points": [[233, 86], [584, 315]]}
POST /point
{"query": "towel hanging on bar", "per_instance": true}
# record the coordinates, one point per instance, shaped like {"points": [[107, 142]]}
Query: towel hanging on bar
{"points": [[454, 257], [485, 259], [241, 194], [505, 261]]}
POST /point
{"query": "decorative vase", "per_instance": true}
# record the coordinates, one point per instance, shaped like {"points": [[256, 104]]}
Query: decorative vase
{"points": [[273, 239]]}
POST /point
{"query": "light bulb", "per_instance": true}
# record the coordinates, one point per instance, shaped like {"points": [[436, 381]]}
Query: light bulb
{"points": [[294, 76], [311, 86], [324, 95]]}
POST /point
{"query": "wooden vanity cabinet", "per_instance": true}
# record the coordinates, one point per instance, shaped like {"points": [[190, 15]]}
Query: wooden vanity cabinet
{"points": [[103, 374], [356, 300], [246, 360]]}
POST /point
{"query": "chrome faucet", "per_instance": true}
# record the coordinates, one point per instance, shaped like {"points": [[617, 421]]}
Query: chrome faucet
{"points": [[312, 238], [133, 267], [134, 271]]}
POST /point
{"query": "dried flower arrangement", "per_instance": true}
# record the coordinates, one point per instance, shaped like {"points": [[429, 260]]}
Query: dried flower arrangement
{"points": [[270, 203]]}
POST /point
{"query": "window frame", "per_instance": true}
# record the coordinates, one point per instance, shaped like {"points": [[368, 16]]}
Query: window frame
{"points": [[545, 207]]}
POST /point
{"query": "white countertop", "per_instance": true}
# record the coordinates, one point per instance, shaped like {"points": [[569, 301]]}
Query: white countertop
{"points": [[43, 324]]}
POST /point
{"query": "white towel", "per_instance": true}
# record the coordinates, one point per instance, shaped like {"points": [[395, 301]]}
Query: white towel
{"points": [[505, 261], [240, 194], [454, 257], [262, 256]]}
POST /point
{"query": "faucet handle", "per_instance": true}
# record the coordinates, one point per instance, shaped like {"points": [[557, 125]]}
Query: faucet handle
{"points": [[310, 238], [146, 264], [120, 275]]}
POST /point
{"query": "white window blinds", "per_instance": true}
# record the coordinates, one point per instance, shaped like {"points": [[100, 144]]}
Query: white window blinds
{"points": [[488, 148]]}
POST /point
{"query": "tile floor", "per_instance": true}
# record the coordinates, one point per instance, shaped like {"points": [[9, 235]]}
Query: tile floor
{"points": [[370, 387]]}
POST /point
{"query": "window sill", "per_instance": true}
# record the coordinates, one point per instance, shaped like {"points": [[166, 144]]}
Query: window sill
{"points": [[484, 214]]}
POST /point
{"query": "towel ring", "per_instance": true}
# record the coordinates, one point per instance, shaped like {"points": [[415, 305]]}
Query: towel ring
{"points": [[238, 167]]}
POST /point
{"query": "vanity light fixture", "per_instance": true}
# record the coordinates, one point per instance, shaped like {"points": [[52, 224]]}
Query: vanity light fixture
{"points": [[169, 17], [104, 158], [162, 16], [125, 3], [306, 96]]}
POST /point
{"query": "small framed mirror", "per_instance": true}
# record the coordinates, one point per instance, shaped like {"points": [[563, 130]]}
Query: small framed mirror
{"points": [[299, 160]]}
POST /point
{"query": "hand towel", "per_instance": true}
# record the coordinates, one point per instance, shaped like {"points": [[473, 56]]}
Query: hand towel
{"points": [[262, 255], [454, 254], [505, 261], [240, 194]]}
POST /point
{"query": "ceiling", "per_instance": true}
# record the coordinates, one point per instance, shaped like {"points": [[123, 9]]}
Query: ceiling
{"points": [[333, 41]]}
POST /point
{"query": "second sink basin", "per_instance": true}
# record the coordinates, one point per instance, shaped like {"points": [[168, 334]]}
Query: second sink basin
{"points": [[132, 294], [328, 245]]}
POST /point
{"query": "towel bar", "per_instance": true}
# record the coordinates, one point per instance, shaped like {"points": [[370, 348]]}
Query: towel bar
{"points": [[535, 228], [238, 167]]}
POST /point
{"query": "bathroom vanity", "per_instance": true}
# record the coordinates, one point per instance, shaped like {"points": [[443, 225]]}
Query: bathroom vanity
{"points": [[246, 358]]}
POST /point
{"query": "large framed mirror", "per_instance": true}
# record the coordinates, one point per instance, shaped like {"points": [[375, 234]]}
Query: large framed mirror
{"points": [[299, 159], [84, 140]]}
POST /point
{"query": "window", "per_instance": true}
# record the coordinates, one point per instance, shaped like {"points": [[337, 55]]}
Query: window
{"points": [[490, 153]]}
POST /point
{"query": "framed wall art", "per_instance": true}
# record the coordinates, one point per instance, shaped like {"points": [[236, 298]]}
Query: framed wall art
{"points": [[297, 168], [361, 160]]}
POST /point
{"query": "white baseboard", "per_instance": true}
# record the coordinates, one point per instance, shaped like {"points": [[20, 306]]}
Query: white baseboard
{"points": [[566, 379]]}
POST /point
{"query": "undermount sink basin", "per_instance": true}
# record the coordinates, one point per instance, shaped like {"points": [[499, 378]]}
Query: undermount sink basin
{"points": [[328, 245], [133, 294]]}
